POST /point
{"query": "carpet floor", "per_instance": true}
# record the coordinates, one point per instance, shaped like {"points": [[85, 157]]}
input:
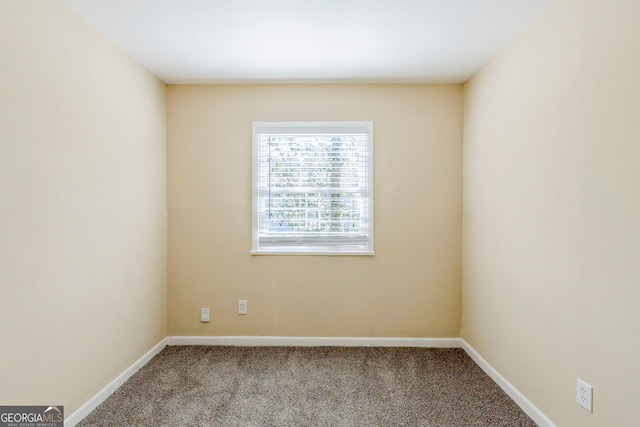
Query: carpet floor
{"points": [[309, 386]]}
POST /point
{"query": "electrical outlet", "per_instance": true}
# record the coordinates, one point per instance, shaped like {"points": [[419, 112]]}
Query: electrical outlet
{"points": [[584, 395], [242, 306], [205, 314]]}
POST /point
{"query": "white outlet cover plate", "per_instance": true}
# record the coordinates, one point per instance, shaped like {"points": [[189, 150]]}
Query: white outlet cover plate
{"points": [[584, 395], [242, 306], [205, 314]]}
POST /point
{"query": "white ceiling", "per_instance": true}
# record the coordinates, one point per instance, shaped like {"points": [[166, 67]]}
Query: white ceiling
{"points": [[298, 41]]}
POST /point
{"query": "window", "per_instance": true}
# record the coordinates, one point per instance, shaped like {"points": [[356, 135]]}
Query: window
{"points": [[313, 188]]}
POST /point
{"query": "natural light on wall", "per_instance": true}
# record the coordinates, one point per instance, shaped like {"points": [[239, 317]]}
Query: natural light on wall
{"points": [[313, 188]]}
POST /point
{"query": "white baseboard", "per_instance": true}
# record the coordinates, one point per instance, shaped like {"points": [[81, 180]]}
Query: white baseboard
{"points": [[525, 404], [254, 341], [108, 390]]}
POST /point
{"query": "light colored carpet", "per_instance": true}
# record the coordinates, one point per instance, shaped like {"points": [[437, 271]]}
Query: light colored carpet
{"points": [[309, 386]]}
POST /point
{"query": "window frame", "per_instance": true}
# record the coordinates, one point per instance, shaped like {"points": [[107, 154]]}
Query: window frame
{"points": [[315, 127]]}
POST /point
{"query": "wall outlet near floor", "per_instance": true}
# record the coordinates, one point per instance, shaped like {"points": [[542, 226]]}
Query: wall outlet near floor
{"points": [[584, 395], [242, 306], [205, 314]]}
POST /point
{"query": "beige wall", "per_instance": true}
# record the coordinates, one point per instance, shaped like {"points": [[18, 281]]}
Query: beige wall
{"points": [[82, 207], [551, 211], [410, 288]]}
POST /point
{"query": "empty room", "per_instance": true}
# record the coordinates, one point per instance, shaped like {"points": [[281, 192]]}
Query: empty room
{"points": [[319, 212]]}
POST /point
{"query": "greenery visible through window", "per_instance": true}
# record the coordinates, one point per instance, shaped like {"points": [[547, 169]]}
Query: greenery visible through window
{"points": [[313, 188]]}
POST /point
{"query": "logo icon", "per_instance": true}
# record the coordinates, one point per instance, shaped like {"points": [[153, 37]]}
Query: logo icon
{"points": [[32, 416]]}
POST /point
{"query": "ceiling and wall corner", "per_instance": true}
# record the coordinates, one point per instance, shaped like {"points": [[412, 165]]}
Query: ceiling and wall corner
{"points": [[311, 41]]}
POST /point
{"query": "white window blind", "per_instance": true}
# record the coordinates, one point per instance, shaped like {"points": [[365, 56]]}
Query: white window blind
{"points": [[312, 188]]}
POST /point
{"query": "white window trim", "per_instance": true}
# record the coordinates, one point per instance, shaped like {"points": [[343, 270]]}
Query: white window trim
{"points": [[320, 127]]}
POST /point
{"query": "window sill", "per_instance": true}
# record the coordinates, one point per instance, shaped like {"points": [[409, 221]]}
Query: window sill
{"points": [[291, 251]]}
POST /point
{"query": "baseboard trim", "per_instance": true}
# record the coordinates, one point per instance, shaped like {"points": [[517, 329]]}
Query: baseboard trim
{"points": [[108, 390], [255, 341], [525, 404]]}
